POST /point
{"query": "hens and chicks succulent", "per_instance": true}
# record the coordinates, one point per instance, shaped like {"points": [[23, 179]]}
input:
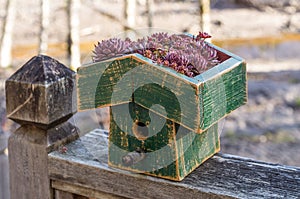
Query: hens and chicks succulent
{"points": [[185, 54]]}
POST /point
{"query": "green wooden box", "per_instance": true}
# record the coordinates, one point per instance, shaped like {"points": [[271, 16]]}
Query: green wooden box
{"points": [[162, 148], [132, 85]]}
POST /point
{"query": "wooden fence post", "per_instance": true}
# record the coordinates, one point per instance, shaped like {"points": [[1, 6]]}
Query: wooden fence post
{"points": [[4, 177], [40, 96]]}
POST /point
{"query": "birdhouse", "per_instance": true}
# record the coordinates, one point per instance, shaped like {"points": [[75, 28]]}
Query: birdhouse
{"points": [[162, 123]]}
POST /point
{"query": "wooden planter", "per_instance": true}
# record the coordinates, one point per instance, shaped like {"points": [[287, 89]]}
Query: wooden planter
{"points": [[162, 123]]}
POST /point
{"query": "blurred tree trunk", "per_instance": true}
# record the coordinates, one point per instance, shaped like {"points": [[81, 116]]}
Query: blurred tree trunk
{"points": [[73, 40], [6, 34], [130, 15], [149, 10], [44, 23], [205, 16]]}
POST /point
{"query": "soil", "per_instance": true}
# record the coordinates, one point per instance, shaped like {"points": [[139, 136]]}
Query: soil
{"points": [[267, 128]]}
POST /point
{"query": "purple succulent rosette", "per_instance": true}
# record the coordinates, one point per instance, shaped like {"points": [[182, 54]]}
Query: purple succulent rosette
{"points": [[187, 55], [110, 48]]}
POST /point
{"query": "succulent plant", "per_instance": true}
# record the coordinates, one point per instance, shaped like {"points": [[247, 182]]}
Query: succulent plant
{"points": [[113, 47], [187, 55]]}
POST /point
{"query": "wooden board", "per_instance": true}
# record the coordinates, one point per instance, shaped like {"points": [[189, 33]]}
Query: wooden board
{"points": [[222, 176], [169, 150], [70, 191], [196, 103], [222, 92]]}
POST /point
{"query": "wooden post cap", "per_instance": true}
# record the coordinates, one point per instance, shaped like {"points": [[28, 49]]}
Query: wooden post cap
{"points": [[42, 91]]}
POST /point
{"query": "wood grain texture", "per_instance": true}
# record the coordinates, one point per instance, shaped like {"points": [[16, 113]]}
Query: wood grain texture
{"points": [[42, 91], [77, 191], [222, 176], [63, 195], [224, 93], [28, 164], [59, 194], [171, 151], [40, 96], [202, 100], [28, 151]]}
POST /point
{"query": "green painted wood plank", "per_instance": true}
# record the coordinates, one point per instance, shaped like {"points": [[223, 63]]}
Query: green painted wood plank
{"points": [[171, 151], [195, 103], [219, 69], [194, 149], [223, 94]]}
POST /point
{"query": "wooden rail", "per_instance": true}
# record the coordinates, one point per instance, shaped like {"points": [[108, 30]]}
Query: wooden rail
{"points": [[83, 170], [49, 160]]}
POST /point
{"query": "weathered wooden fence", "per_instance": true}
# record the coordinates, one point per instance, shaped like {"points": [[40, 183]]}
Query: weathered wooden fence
{"points": [[48, 160]]}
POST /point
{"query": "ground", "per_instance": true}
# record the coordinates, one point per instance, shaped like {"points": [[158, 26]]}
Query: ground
{"points": [[267, 128]]}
